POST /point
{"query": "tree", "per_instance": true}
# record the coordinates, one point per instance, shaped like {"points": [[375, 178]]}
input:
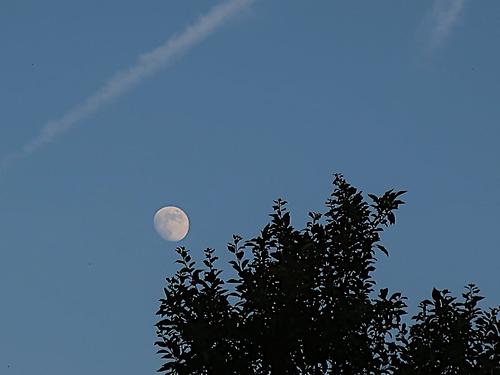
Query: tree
{"points": [[451, 337], [303, 302]]}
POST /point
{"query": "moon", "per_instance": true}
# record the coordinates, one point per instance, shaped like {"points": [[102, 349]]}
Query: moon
{"points": [[171, 223]]}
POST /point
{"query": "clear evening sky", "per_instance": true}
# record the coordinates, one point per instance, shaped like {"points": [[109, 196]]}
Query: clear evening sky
{"points": [[257, 100]]}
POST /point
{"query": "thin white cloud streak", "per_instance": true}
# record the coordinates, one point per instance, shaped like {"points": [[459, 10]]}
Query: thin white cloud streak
{"points": [[443, 17], [122, 82]]}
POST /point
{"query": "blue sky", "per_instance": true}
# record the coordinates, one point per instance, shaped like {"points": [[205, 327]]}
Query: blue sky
{"points": [[268, 104]]}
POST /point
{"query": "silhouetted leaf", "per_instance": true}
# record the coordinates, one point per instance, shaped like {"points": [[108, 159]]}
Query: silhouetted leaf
{"points": [[391, 218], [436, 296], [383, 293]]}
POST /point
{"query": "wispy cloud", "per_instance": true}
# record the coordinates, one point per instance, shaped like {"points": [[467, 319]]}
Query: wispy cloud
{"points": [[123, 81], [443, 17]]}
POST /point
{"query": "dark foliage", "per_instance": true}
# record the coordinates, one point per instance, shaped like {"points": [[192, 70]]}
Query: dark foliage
{"points": [[451, 337], [303, 302]]}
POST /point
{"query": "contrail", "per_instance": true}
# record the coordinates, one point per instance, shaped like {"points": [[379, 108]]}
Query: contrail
{"points": [[443, 17], [123, 81]]}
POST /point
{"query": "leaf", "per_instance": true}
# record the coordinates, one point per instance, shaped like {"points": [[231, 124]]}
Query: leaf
{"points": [[395, 296], [383, 293], [401, 192], [436, 296], [391, 218], [383, 249]]}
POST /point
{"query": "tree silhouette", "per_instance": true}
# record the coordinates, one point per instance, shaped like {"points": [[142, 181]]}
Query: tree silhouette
{"points": [[451, 337], [303, 302]]}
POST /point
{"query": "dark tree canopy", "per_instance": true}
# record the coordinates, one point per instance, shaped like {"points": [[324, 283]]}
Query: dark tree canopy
{"points": [[304, 302]]}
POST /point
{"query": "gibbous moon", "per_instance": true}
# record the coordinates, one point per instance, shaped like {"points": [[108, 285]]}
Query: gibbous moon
{"points": [[171, 223]]}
